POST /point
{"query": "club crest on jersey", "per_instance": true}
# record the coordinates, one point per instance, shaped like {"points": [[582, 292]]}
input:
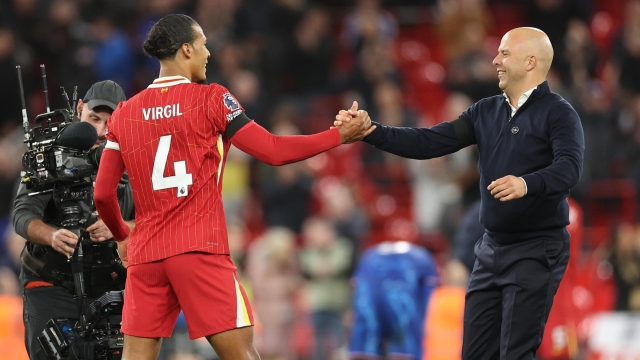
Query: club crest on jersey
{"points": [[230, 102]]}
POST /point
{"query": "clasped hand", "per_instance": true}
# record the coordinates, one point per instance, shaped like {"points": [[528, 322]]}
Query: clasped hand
{"points": [[353, 124]]}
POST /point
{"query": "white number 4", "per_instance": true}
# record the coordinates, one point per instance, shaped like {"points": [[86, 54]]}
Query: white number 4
{"points": [[180, 180]]}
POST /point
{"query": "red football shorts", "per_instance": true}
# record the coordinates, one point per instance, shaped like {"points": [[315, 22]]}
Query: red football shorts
{"points": [[204, 286]]}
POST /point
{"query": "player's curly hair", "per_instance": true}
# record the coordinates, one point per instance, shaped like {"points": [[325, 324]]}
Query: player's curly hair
{"points": [[168, 35]]}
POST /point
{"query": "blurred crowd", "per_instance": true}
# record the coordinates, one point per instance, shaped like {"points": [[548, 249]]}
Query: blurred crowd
{"points": [[296, 231]]}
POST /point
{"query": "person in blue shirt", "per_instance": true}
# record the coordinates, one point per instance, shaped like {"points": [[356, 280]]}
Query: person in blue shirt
{"points": [[393, 284], [531, 146]]}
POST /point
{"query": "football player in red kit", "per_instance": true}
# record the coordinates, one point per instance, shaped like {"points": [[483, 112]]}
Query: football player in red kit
{"points": [[173, 138]]}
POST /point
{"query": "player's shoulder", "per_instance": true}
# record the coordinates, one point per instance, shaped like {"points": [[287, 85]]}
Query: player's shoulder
{"points": [[221, 95], [211, 88]]}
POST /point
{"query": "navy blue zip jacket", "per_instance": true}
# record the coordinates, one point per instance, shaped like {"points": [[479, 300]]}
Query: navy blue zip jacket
{"points": [[543, 143]]}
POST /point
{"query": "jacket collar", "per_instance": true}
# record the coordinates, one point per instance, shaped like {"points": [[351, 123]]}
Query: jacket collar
{"points": [[542, 90], [539, 92]]}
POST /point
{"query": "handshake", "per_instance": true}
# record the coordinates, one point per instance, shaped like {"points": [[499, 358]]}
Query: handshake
{"points": [[353, 124]]}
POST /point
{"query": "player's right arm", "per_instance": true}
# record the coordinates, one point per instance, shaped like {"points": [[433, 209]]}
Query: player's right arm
{"points": [[105, 194]]}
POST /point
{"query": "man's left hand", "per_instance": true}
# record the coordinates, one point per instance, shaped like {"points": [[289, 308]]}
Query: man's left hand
{"points": [[354, 124], [507, 188], [99, 231]]}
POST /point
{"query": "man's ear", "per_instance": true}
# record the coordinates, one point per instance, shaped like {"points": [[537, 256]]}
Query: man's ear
{"points": [[79, 107], [532, 62], [186, 50]]}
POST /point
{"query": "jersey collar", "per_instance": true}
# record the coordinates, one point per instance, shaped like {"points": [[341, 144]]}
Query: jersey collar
{"points": [[169, 81]]}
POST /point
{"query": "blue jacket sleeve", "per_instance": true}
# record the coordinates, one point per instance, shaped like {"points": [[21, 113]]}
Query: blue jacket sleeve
{"points": [[567, 143], [415, 143]]}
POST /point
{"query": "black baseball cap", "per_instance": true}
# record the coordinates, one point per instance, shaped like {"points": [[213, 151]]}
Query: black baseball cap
{"points": [[104, 93]]}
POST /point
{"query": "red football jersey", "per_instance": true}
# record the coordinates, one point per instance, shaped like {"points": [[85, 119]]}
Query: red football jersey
{"points": [[173, 144]]}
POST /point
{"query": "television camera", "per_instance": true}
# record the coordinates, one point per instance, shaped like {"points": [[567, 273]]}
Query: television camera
{"points": [[60, 160]]}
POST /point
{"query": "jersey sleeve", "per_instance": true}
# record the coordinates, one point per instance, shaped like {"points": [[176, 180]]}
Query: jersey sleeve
{"points": [[225, 111], [105, 194], [112, 138]]}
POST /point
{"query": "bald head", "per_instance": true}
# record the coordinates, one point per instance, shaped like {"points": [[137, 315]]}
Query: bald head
{"points": [[524, 59], [533, 42]]}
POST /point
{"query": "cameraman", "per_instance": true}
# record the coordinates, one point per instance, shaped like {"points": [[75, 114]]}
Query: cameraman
{"points": [[48, 293]]}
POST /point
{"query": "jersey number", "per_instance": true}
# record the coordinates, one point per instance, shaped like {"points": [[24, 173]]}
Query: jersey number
{"points": [[180, 180]]}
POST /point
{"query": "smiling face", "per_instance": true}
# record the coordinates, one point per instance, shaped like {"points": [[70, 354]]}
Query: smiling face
{"points": [[511, 63], [523, 61], [200, 56]]}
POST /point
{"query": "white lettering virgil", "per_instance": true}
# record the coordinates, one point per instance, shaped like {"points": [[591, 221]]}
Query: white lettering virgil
{"points": [[160, 112]]}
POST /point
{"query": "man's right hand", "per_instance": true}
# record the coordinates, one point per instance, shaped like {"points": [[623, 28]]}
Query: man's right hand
{"points": [[64, 242], [355, 128]]}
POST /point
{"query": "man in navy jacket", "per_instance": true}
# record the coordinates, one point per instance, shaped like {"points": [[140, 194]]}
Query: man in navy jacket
{"points": [[531, 153]]}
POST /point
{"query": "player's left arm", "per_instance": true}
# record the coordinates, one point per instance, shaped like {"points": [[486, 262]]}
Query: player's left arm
{"points": [[105, 193]]}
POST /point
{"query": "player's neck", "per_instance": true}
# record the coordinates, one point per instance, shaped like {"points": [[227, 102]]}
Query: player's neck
{"points": [[172, 68]]}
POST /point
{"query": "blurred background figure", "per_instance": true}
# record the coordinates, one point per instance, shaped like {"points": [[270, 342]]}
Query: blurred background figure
{"points": [[275, 280], [625, 259], [325, 261], [393, 284]]}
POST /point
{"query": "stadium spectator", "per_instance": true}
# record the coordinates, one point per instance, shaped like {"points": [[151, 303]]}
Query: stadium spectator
{"points": [[311, 55], [625, 258], [553, 17], [369, 23], [339, 205], [326, 262], [275, 278], [114, 58], [463, 25]]}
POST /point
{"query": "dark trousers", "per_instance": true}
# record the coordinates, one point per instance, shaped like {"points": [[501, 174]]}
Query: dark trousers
{"points": [[40, 305], [510, 294]]}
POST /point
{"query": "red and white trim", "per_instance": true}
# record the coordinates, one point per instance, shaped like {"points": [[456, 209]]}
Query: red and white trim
{"points": [[169, 81], [242, 313], [112, 145]]}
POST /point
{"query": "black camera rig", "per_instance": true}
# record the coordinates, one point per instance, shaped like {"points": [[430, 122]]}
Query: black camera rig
{"points": [[49, 160], [99, 338], [53, 163]]}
